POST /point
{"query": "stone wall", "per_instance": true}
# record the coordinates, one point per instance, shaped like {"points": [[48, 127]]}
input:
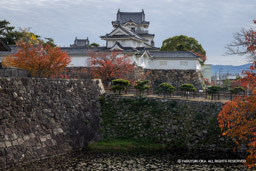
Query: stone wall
{"points": [[181, 124], [175, 77], [43, 117], [13, 72], [78, 72]]}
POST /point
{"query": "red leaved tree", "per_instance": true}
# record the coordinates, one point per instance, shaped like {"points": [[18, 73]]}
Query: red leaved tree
{"points": [[38, 59], [111, 65], [237, 119], [202, 56]]}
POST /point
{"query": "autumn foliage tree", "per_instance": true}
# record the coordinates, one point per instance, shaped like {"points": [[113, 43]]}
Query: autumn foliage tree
{"points": [[108, 66], [237, 119], [38, 58]]}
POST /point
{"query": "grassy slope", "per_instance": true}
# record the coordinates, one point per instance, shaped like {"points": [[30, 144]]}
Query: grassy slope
{"points": [[125, 145]]}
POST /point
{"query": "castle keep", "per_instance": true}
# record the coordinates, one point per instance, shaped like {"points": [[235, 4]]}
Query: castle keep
{"points": [[131, 37]]}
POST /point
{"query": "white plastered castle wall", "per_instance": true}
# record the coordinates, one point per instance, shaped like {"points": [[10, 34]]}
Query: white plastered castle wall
{"points": [[79, 61]]}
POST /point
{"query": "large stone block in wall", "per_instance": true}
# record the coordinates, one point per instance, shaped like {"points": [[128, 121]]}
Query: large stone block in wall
{"points": [[43, 117]]}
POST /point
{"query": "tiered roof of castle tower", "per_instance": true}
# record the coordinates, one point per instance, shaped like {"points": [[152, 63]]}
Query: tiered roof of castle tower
{"points": [[127, 33], [125, 17], [81, 43]]}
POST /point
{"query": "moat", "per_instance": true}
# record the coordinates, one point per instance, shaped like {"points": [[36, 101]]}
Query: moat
{"points": [[88, 160]]}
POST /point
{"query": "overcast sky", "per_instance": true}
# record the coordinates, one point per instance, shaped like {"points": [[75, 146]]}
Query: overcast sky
{"points": [[211, 22]]}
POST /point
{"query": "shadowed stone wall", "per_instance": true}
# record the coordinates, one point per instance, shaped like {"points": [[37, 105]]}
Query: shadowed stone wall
{"points": [[42, 117], [175, 77], [13, 72], [180, 124]]}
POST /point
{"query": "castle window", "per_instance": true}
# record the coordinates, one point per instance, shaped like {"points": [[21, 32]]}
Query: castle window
{"points": [[162, 63], [183, 63]]}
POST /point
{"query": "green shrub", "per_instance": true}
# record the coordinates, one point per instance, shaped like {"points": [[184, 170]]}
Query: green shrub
{"points": [[119, 85], [142, 85], [213, 90], [187, 87], [121, 82], [166, 88], [237, 90]]}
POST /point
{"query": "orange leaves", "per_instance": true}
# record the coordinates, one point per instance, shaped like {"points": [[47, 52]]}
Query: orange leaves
{"points": [[39, 60], [110, 65], [237, 120], [250, 38], [8, 61], [203, 57]]}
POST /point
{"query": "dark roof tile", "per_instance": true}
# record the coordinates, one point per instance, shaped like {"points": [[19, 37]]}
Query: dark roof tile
{"points": [[172, 54], [137, 17]]}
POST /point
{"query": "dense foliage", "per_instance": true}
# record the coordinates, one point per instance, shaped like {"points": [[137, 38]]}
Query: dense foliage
{"points": [[94, 45], [8, 34], [238, 117], [237, 90], [183, 43], [142, 85], [119, 85], [166, 89], [213, 90], [40, 59], [187, 87]]}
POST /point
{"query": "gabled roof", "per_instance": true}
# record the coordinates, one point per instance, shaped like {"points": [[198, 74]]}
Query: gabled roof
{"points": [[136, 17], [127, 34], [4, 47], [145, 34], [173, 54], [82, 51], [117, 46], [80, 43], [13, 49]]}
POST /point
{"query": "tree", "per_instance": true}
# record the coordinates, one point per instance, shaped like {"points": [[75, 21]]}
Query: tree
{"points": [[94, 45], [50, 42], [38, 59], [213, 90], [119, 85], [237, 90], [110, 65], [186, 88], [8, 34], [183, 43], [237, 119], [32, 38], [142, 85], [244, 43], [166, 88]]}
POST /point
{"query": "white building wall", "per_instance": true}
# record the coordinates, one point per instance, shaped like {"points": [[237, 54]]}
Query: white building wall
{"points": [[170, 64], [84, 61], [110, 43], [149, 39], [125, 43], [207, 71], [79, 61]]}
